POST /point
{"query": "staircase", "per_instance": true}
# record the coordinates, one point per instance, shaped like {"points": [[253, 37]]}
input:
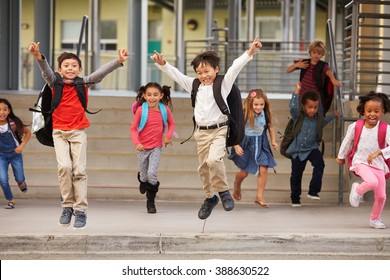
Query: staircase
{"points": [[112, 162]]}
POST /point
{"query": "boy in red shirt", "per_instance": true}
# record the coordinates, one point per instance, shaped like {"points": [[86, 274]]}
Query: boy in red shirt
{"points": [[69, 136]]}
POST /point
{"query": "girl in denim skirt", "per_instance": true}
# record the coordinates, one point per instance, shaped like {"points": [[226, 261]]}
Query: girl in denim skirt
{"points": [[254, 154]]}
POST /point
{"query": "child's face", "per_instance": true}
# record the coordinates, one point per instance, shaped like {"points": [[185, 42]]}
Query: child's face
{"points": [[258, 105], [373, 111], [311, 108], [316, 55], [153, 96], [69, 69], [206, 73], [4, 112]]}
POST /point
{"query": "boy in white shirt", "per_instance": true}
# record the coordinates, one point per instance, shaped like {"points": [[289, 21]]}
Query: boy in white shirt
{"points": [[211, 124]]}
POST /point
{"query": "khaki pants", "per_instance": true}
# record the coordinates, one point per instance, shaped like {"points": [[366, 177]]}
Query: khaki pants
{"points": [[71, 153], [211, 151]]}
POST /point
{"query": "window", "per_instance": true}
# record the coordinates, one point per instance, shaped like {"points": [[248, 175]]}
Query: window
{"points": [[71, 32]]}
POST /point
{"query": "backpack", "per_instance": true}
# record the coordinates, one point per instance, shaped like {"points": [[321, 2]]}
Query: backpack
{"points": [[42, 125], [292, 129], [233, 110], [144, 115], [381, 141], [325, 85]]}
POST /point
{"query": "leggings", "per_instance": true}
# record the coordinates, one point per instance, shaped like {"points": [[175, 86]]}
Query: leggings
{"points": [[373, 179], [148, 164]]}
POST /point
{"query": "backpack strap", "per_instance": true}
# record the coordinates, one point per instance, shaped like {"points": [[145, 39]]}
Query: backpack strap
{"points": [[79, 85], [217, 84], [145, 112], [58, 87], [164, 114], [298, 124], [358, 131], [382, 134], [320, 127], [194, 91]]}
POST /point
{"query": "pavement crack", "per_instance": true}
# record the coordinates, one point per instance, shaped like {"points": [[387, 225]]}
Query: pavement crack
{"points": [[204, 225], [160, 245]]}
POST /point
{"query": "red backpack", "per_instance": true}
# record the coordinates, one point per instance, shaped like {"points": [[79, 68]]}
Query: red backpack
{"points": [[381, 141]]}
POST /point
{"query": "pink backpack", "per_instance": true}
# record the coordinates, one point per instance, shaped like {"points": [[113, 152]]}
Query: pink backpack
{"points": [[381, 141]]}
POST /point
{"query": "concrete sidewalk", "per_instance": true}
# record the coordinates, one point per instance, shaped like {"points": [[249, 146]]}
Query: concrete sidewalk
{"points": [[124, 228]]}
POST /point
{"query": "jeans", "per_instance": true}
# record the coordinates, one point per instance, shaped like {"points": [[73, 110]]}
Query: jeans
{"points": [[297, 168], [16, 161]]}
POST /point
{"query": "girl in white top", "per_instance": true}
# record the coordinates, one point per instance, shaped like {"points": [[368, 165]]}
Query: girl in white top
{"points": [[368, 160]]}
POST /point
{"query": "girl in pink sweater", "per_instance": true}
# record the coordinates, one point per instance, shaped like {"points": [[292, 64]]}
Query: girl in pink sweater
{"points": [[152, 118]]}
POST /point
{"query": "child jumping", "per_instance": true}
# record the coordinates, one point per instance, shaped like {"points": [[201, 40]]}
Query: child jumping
{"points": [[368, 160], [313, 71], [69, 135], [14, 136], [211, 124], [305, 146], [151, 118], [253, 155]]}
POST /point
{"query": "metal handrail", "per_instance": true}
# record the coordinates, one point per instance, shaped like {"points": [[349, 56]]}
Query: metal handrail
{"points": [[333, 62], [84, 33]]}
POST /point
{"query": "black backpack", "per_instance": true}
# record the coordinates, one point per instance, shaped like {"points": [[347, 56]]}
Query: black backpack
{"points": [[234, 110], [46, 104], [324, 85], [292, 129]]}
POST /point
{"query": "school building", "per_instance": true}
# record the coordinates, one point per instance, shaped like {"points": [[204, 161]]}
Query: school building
{"points": [[179, 29]]}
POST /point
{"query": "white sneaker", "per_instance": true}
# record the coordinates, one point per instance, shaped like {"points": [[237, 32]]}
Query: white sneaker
{"points": [[296, 205], [377, 223], [315, 197], [354, 197]]}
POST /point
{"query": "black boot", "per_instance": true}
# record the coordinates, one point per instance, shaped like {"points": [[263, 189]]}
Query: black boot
{"points": [[142, 185], [151, 192]]}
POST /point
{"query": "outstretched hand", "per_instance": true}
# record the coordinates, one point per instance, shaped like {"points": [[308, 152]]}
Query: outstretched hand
{"points": [[158, 58], [123, 55], [34, 50], [256, 45]]}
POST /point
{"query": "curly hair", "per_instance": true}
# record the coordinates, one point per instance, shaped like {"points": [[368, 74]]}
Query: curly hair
{"points": [[310, 95], [375, 96]]}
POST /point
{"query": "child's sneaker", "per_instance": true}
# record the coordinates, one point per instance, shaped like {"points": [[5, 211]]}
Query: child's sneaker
{"points": [[66, 216], [227, 200], [314, 196], [354, 197], [23, 187], [377, 223], [80, 219], [207, 207]]}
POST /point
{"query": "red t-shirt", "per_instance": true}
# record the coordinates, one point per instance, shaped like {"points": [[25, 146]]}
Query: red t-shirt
{"points": [[70, 114]]}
